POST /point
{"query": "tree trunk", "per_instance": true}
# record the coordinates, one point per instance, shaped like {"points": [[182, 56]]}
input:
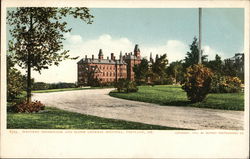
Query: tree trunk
{"points": [[29, 62], [28, 80]]}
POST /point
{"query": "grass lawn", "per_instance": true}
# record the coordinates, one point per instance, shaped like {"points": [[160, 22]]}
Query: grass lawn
{"points": [[52, 118], [66, 89], [170, 95]]}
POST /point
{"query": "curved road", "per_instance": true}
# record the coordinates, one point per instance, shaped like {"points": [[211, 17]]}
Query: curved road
{"points": [[97, 102]]}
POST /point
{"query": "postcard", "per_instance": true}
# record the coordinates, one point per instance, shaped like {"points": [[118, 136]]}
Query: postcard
{"points": [[124, 79]]}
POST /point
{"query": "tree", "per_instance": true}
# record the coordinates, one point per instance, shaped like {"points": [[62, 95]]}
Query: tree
{"points": [[229, 68], [175, 70], [158, 69], [216, 65], [37, 36], [141, 71], [193, 55], [15, 80], [197, 82]]}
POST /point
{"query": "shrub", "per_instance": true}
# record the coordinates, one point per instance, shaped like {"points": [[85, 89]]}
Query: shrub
{"points": [[15, 83], [131, 87], [120, 84], [40, 86], [225, 84], [31, 107], [197, 82], [124, 85]]}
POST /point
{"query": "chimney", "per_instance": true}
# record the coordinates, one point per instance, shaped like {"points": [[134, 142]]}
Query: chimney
{"points": [[151, 57], [100, 55], [92, 57], [120, 56], [112, 56]]}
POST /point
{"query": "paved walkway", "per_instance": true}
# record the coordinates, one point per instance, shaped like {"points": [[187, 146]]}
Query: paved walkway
{"points": [[97, 102]]}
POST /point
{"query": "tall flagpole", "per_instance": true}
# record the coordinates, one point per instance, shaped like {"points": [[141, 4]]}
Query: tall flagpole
{"points": [[200, 54]]}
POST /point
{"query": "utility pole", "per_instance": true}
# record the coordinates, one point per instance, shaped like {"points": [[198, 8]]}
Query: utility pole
{"points": [[200, 53]]}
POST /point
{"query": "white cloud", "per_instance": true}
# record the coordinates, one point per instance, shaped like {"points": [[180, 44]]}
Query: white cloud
{"points": [[74, 39], [175, 50], [67, 70], [104, 42], [207, 50]]}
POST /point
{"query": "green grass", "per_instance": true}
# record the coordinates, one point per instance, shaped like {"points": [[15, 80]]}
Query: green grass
{"points": [[170, 95], [65, 89], [52, 118]]}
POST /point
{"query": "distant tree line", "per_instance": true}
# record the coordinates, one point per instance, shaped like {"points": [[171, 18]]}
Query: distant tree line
{"points": [[43, 85], [162, 72]]}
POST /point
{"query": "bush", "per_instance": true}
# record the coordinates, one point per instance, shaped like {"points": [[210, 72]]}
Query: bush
{"points": [[124, 85], [225, 84], [40, 86], [197, 82], [31, 107], [61, 85], [131, 87], [15, 84]]}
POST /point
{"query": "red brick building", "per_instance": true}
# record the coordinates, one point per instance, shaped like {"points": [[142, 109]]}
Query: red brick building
{"points": [[107, 70]]}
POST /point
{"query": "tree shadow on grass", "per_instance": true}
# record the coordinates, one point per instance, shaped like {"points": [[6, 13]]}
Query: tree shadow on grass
{"points": [[178, 103]]}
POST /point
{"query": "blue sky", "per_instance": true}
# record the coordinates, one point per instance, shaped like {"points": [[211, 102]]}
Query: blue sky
{"points": [[223, 29], [156, 30]]}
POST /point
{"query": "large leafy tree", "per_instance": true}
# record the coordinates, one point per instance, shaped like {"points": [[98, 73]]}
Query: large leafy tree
{"points": [[175, 70], [158, 69], [193, 55], [141, 71], [37, 36]]}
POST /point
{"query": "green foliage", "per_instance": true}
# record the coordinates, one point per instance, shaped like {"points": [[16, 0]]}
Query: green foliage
{"points": [[216, 65], [193, 56], [232, 69], [124, 85], [15, 80], [141, 72], [197, 82], [175, 72], [37, 35], [40, 86], [31, 107], [173, 95], [226, 84], [95, 82], [59, 85], [53, 118], [37, 32], [120, 85], [157, 71]]}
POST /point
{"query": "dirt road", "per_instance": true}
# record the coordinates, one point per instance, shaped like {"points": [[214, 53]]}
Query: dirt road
{"points": [[97, 102]]}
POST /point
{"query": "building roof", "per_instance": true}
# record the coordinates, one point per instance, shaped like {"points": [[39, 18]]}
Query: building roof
{"points": [[101, 61], [129, 57]]}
